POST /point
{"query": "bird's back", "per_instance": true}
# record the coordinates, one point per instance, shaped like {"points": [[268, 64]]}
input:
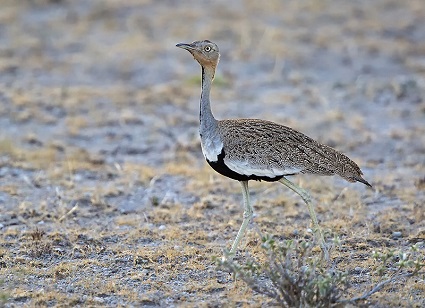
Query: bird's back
{"points": [[269, 149]]}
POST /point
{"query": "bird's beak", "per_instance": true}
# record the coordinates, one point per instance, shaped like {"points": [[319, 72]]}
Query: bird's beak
{"points": [[186, 46]]}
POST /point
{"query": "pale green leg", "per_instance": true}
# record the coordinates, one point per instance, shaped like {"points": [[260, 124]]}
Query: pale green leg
{"points": [[307, 199], [247, 215]]}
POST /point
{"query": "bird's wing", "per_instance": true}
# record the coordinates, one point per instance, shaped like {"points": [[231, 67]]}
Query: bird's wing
{"points": [[268, 149], [262, 148]]}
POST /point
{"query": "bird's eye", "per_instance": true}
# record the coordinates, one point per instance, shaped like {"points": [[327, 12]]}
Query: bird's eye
{"points": [[207, 48]]}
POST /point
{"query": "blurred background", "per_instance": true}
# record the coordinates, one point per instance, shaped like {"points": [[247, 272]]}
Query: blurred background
{"points": [[105, 78], [99, 109]]}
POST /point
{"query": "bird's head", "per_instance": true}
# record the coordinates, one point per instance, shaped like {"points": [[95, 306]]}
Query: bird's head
{"points": [[205, 52]]}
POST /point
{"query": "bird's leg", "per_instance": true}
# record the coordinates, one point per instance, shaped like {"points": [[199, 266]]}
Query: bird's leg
{"points": [[247, 215], [307, 199]]}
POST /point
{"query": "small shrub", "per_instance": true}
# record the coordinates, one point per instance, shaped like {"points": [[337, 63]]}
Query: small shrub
{"points": [[294, 276]]}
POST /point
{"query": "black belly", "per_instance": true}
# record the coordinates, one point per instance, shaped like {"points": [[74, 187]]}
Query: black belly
{"points": [[221, 168]]}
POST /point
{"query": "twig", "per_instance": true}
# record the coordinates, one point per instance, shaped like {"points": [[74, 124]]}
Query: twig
{"points": [[379, 286], [69, 213]]}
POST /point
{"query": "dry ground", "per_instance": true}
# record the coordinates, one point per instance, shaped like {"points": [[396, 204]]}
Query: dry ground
{"points": [[105, 199]]}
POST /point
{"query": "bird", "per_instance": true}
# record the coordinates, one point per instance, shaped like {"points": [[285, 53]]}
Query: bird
{"points": [[254, 149]]}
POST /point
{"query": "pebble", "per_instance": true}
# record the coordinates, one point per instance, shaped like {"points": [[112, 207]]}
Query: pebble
{"points": [[4, 171], [98, 300], [397, 234]]}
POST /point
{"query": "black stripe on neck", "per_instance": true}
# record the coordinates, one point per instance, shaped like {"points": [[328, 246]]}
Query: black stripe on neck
{"points": [[202, 92]]}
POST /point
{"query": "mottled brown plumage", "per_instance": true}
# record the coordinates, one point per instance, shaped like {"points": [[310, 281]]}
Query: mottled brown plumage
{"points": [[267, 145]]}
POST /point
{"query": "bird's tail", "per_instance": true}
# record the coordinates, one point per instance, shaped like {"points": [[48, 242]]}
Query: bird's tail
{"points": [[362, 180]]}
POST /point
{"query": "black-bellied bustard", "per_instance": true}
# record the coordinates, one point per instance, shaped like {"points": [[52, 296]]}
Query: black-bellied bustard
{"points": [[252, 149]]}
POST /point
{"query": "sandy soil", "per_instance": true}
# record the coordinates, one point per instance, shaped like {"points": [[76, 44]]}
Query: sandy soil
{"points": [[105, 198]]}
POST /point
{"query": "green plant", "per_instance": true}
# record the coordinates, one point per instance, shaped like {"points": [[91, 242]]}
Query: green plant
{"points": [[294, 276], [4, 296]]}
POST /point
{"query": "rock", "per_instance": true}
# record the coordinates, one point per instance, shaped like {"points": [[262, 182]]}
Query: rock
{"points": [[396, 234]]}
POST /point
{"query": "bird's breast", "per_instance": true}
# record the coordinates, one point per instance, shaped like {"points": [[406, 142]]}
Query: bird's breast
{"points": [[211, 146]]}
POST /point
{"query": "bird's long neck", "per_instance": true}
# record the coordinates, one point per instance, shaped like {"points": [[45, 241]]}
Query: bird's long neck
{"points": [[206, 117], [211, 142]]}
